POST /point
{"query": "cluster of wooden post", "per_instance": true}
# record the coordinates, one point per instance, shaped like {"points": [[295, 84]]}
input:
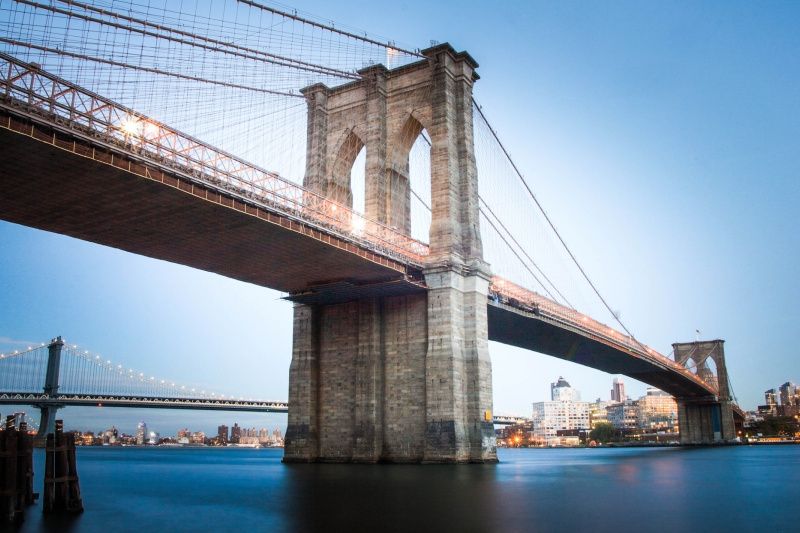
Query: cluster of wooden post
{"points": [[16, 471], [62, 492]]}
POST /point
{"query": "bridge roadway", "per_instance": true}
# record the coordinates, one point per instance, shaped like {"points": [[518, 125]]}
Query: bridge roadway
{"points": [[58, 175], [154, 402]]}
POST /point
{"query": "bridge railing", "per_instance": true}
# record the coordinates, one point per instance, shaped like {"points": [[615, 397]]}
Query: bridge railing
{"points": [[26, 85], [508, 292]]}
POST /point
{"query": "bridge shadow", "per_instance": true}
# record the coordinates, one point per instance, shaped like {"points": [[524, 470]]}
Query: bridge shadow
{"points": [[391, 497]]}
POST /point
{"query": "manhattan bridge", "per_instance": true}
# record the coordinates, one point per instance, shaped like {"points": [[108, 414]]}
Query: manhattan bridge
{"points": [[358, 176]]}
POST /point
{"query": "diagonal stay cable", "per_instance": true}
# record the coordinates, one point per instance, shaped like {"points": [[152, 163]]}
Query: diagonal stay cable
{"points": [[511, 235], [552, 226]]}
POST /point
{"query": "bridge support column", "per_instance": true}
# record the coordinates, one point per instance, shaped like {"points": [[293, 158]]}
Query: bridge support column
{"points": [[706, 420], [393, 379], [709, 422], [357, 381], [459, 421], [398, 378], [47, 422]]}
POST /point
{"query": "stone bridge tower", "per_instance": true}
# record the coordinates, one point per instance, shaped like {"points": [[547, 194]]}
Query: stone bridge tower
{"points": [[708, 420], [401, 378]]}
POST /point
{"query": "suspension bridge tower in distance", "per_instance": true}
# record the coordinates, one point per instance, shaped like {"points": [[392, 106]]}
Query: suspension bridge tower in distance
{"points": [[388, 376]]}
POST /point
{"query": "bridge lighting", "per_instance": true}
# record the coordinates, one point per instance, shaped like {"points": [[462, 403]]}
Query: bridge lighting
{"points": [[130, 125]]}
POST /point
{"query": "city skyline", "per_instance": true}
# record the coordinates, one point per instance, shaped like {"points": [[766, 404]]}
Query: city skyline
{"points": [[150, 314]]}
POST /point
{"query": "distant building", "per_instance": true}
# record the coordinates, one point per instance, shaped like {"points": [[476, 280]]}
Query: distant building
{"points": [[141, 434], [110, 436], [618, 391], [623, 415], [770, 398], [222, 434], [597, 412], [236, 433], [657, 410], [788, 392], [560, 391], [564, 412]]}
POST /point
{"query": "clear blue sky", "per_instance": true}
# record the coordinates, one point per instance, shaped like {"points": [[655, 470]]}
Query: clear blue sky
{"points": [[663, 138]]}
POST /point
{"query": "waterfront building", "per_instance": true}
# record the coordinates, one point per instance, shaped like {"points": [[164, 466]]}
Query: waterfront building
{"points": [[222, 434], [109, 436], [597, 412], [788, 392], [565, 411], [141, 433], [618, 391], [657, 410], [236, 433], [560, 391], [623, 415]]}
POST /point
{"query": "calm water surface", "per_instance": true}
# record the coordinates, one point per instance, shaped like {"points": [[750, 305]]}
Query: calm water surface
{"points": [[245, 490]]}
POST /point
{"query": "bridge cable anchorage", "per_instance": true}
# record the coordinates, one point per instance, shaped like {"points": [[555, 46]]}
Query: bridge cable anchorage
{"points": [[363, 38], [145, 69], [253, 55], [552, 225], [511, 248]]}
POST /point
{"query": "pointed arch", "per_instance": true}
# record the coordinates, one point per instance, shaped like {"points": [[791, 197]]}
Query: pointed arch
{"points": [[339, 185]]}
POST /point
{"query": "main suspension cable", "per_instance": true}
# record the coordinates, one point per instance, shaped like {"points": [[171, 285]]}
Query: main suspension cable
{"points": [[363, 38], [550, 222]]}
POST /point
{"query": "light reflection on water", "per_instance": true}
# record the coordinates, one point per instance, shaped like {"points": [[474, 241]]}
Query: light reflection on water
{"points": [[648, 489]]}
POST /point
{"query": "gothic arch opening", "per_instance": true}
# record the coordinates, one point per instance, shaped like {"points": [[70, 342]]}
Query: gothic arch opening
{"points": [[340, 185], [409, 179]]}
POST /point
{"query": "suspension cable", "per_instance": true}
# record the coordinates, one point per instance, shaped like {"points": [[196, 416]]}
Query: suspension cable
{"points": [[204, 38], [145, 69], [428, 141], [524, 251], [552, 226], [363, 38], [254, 55]]}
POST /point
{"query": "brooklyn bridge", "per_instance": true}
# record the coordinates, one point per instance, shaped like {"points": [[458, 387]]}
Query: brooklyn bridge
{"points": [[399, 279]]}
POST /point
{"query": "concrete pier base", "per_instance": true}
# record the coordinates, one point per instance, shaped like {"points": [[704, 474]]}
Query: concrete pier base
{"points": [[404, 379], [709, 422]]}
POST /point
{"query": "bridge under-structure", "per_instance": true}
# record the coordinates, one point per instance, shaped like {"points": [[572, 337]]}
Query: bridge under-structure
{"points": [[390, 356]]}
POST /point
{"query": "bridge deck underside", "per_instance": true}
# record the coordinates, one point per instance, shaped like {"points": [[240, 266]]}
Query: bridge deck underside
{"points": [[525, 330], [54, 189]]}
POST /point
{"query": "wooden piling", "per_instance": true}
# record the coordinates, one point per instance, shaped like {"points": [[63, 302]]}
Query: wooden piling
{"points": [[16, 471], [62, 493]]}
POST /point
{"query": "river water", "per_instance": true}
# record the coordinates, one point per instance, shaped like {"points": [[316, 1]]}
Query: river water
{"points": [[742, 488]]}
